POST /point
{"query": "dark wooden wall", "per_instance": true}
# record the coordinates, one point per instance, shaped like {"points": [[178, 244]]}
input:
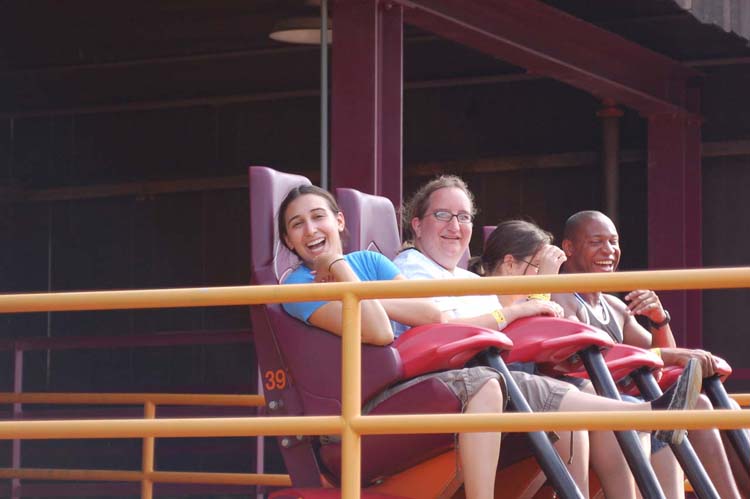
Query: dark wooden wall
{"points": [[726, 214], [201, 237]]}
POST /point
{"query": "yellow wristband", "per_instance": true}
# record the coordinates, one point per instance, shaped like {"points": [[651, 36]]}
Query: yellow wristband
{"points": [[539, 296], [656, 351], [499, 318]]}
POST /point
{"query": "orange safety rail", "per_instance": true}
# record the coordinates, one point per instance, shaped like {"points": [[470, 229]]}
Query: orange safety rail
{"points": [[147, 476], [164, 338], [351, 425]]}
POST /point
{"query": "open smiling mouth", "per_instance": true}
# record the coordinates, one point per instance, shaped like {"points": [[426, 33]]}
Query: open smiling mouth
{"points": [[316, 244]]}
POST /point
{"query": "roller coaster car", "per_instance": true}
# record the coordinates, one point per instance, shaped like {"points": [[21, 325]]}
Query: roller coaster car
{"points": [[451, 346]]}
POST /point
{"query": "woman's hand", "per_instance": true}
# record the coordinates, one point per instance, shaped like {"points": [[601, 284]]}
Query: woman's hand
{"points": [[324, 264], [532, 308], [551, 259]]}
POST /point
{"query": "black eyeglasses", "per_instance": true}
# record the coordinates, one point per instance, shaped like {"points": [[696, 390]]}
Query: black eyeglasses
{"points": [[530, 264], [447, 216]]}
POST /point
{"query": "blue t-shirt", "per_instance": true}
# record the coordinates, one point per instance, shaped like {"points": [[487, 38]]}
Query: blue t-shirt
{"points": [[368, 265]]}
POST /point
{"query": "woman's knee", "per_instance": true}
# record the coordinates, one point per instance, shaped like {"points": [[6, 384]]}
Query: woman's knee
{"points": [[588, 388], [703, 403], [489, 398]]}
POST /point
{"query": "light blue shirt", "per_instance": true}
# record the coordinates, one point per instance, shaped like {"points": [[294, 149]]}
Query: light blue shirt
{"points": [[368, 265]]}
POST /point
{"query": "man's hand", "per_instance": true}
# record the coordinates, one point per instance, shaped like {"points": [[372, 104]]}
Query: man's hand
{"points": [[645, 302], [681, 356]]}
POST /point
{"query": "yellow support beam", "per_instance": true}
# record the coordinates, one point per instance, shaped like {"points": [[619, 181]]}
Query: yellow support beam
{"points": [[723, 278], [351, 397], [545, 421], [186, 427], [147, 459], [197, 399], [372, 425], [270, 480]]}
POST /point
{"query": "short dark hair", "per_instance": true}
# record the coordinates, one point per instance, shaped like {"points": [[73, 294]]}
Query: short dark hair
{"points": [[518, 238], [574, 222]]}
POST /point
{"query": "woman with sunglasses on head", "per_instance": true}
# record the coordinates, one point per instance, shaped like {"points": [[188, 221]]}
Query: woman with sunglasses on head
{"points": [[440, 220], [310, 224]]}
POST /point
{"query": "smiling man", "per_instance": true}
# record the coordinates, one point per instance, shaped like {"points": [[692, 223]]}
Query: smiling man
{"points": [[591, 244]]}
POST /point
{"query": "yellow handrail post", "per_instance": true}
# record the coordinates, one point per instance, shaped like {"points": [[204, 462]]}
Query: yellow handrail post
{"points": [[351, 396], [147, 485]]}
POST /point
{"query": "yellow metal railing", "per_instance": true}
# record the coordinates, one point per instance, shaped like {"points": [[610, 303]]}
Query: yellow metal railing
{"points": [[721, 278], [352, 425], [147, 476], [202, 399]]}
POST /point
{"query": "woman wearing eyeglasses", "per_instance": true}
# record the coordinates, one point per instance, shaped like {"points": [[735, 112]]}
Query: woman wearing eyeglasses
{"points": [[440, 218]]}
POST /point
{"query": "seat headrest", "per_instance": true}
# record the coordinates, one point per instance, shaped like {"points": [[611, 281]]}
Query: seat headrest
{"points": [[271, 259], [371, 222]]}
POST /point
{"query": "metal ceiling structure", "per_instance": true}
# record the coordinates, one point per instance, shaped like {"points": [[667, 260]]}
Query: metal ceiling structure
{"points": [[83, 57], [545, 41]]}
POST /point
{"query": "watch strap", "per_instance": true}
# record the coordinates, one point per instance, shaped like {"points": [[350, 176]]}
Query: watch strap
{"points": [[667, 318]]}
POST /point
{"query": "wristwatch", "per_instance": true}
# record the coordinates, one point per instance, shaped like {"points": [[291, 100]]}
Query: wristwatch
{"points": [[667, 318]]}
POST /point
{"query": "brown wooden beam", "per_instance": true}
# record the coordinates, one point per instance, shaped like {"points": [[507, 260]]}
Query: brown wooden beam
{"points": [[628, 157]]}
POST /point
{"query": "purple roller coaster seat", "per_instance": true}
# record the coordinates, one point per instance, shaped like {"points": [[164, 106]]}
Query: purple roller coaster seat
{"points": [[370, 222], [301, 365]]}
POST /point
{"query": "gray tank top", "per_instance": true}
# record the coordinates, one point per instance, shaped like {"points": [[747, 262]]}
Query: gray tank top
{"points": [[607, 323]]}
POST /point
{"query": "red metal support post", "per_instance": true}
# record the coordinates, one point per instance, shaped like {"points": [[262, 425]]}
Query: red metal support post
{"points": [[367, 96], [674, 214], [610, 116]]}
